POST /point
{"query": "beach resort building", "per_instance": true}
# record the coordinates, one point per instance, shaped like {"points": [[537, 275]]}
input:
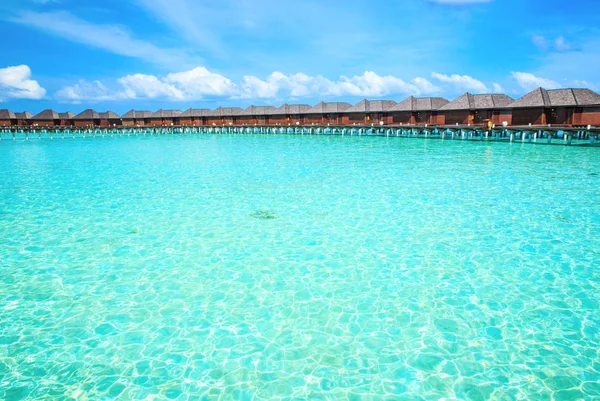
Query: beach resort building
{"points": [[136, 118], [193, 117], [23, 118], [477, 110], [46, 118], [367, 112], [165, 118], [326, 113], [557, 107], [222, 116], [289, 114], [414, 110], [254, 115], [7, 118]]}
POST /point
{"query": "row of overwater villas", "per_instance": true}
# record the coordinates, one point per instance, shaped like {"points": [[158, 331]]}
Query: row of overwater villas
{"points": [[561, 107]]}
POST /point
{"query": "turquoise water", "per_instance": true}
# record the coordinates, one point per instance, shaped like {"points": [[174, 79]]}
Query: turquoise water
{"points": [[288, 267]]}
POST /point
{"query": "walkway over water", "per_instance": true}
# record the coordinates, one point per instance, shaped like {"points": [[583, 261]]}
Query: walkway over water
{"points": [[549, 135]]}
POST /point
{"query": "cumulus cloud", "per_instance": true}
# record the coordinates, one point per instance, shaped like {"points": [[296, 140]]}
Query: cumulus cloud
{"points": [[462, 82], [529, 81], [16, 82], [200, 83]]}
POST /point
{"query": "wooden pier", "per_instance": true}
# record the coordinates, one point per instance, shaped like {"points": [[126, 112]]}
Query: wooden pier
{"points": [[534, 135]]}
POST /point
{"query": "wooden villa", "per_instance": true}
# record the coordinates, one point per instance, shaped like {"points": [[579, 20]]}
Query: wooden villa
{"points": [[23, 118], [413, 110], [46, 118], [367, 112], [477, 110], [326, 113], [289, 114], [557, 107], [7, 118], [165, 118], [109, 119], [222, 116], [136, 118], [66, 119], [87, 118], [194, 117], [254, 115]]}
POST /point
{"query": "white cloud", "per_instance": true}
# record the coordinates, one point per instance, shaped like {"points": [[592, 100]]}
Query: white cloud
{"points": [[16, 82], [111, 38], [199, 83], [558, 45], [530, 82], [497, 88], [462, 82]]}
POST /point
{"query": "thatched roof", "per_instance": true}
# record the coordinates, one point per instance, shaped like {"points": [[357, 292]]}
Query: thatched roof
{"points": [[541, 97], [67, 115], [225, 111], [286, 109], [166, 114], [7, 115], [131, 114], [46, 115], [369, 106], [109, 115], [479, 102], [24, 115], [88, 114], [420, 104], [195, 113], [257, 111], [324, 108]]}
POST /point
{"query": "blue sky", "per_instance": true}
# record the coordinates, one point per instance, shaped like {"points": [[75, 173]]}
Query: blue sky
{"points": [[150, 54]]}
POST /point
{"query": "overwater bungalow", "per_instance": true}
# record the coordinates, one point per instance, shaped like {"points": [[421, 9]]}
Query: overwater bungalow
{"points": [[136, 118], [288, 114], [7, 118], [413, 110], [66, 119], [222, 116], [557, 107], [477, 109], [193, 117], [46, 118], [165, 118], [326, 113], [23, 118], [367, 112], [254, 115], [109, 119], [87, 118]]}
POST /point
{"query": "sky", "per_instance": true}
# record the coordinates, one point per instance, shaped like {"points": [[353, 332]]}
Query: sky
{"points": [[70, 55]]}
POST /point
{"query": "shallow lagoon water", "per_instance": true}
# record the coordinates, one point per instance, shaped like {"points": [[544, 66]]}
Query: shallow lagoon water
{"points": [[298, 267]]}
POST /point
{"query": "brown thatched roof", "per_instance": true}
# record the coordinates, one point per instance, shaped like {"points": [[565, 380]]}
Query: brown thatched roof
{"points": [[369, 106], [324, 108], [88, 114], [46, 115], [195, 113], [7, 115], [479, 102], [166, 114], [109, 115], [420, 104], [257, 111], [541, 97], [293, 109], [137, 114], [24, 115]]}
